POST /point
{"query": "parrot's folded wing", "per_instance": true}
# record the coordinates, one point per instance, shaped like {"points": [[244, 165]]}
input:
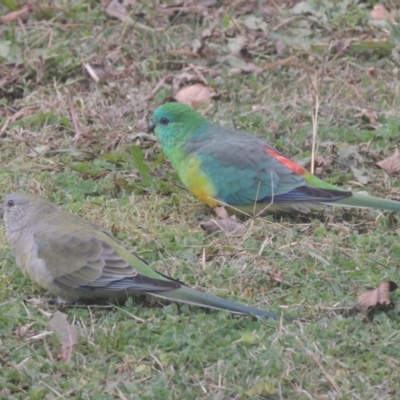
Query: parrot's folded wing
{"points": [[94, 264], [260, 174]]}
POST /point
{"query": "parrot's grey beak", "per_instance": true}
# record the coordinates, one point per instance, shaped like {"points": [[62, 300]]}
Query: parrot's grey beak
{"points": [[2, 212], [151, 125]]}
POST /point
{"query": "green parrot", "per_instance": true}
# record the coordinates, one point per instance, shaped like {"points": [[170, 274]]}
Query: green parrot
{"points": [[76, 259], [222, 166]]}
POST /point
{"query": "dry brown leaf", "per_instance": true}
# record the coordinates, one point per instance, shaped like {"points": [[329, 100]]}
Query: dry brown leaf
{"points": [[235, 71], [371, 72], [116, 9], [66, 333], [378, 297], [22, 330], [195, 95], [182, 78], [225, 223], [221, 212], [275, 276], [184, 52], [379, 13], [251, 68], [320, 164], [23, 112], [21, 14], [246, 69], [192, 74], [370, 116], [238, 46], [341, 46], [390, 164], [230, 226], [197, 46]]}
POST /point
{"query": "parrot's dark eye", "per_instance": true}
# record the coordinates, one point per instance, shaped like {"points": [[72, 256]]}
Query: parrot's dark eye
{"points": [[10, 203], [164, 121]]}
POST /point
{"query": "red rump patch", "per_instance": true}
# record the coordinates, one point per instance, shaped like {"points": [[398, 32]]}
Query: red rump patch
{"points": [[294, 167]]}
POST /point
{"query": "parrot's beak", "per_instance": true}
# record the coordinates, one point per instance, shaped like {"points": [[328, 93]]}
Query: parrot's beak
{"points": [[151, 125], [1, 212]]}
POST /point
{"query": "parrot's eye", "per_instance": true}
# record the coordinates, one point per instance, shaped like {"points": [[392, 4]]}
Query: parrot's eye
{"points": [[164, 121], [10, 203]]}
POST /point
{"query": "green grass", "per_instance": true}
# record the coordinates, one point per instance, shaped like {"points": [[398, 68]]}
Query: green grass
{"points": [[151, 349]]}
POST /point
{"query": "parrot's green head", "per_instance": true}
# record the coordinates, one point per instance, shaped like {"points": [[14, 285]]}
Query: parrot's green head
{"points": [[20, 208], [173, 123]]}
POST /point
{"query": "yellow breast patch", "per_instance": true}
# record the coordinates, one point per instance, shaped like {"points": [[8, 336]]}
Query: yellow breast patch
{"points": [[198, 183]]}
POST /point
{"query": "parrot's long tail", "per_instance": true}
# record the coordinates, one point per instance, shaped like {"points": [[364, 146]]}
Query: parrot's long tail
{"points": [[358, 200], [366, 201], [191, 296]]}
